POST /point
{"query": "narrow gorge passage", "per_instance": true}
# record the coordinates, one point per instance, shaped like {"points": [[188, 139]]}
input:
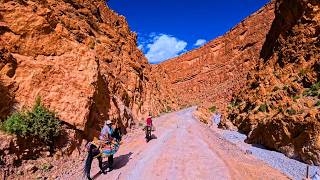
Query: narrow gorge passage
{"points": [[183, 149]]}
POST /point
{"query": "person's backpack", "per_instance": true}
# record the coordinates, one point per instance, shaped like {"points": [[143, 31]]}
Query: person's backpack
{"points": [[149, 121]]}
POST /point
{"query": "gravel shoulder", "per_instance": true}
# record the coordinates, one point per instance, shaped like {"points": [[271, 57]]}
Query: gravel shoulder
{"points": [[292, 168]]}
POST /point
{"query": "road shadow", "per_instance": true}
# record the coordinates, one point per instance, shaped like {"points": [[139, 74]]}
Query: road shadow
{"points": [[153, 137], [261, 147], [118, 163], [121, 161], [97, 175]]}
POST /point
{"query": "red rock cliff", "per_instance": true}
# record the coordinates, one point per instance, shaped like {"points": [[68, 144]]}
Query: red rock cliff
{"points": [[79, 56], [210, 74], [279, 106]]}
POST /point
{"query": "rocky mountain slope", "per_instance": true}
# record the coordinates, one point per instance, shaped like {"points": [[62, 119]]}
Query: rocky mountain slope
{"points": [[279, 106], [81, 58], [266, 71], [209, 75]]}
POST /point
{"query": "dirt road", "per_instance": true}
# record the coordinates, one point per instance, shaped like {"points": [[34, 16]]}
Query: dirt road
{"points": [[183, 149]]}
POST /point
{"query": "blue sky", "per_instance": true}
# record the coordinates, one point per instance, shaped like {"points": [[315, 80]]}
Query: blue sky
{"points": [[167, 28]]}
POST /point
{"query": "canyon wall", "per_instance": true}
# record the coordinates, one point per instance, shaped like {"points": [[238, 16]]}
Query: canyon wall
{"points": [[209, 75], [266, 71], [79, 56], [279, 106]]}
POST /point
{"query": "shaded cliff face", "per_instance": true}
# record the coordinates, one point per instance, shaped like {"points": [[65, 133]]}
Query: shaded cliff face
{"points": [[79, 56], [209, 75], [279, 107]]}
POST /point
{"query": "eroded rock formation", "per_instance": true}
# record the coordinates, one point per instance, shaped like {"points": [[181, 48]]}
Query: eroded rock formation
{"points": [[209, 75], [279, 107], [81, 58]]}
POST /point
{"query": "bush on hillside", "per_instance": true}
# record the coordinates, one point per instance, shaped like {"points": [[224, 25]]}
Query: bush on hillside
{"points": [[280, 110], [263, 108], [213, 109], [291, 111], [315, 87], [16, 124], [313, 90], [38, 123], [302, 72], [295, 97]]}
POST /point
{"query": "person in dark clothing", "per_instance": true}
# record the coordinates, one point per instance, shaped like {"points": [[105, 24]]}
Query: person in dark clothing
{"points": [[148, 128]]}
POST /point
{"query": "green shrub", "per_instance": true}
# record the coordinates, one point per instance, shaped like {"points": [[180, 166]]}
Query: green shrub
{"points": [[43, 123], [272, 107], [302, 72], [313, 90], [38, 123], [310, 92], [46, 167], [296, 97], [315, 87], [313, 93], [263, 108], [213, 109], [16, 124], [291, 111], [318, 103], [235, 102]]}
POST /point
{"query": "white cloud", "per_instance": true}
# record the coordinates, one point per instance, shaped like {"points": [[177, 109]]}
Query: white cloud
{"points": [[163, 47], [141, 47], [200, 42]]}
